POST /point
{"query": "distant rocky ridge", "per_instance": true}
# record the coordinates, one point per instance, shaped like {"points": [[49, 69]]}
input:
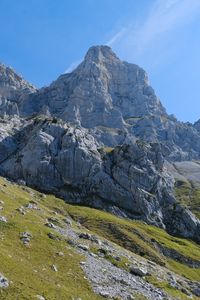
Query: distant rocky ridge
{"points": [[111, 98], [98, 136], [13, 88]]}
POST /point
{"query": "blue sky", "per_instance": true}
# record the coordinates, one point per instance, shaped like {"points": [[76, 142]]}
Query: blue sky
{"points": [[43, 38]]}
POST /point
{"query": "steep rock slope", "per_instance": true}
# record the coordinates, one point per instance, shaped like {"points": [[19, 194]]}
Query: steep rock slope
{"points": [[104, 102], [55, 251], [12, 90], [102, 91], [114, 99], [129, 180]]}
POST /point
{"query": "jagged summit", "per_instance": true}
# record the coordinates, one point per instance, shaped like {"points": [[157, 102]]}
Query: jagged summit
{"points": [[10, 79], [101, 91], [101, 53], [98, 137], [12, 90], [103, 142], [111, 98]]}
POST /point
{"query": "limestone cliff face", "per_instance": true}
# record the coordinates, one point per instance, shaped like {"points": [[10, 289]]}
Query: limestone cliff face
{"points": [[102, 91], [98, 136], [12, 90], [114, 100], [131, 180], [66, 159]]}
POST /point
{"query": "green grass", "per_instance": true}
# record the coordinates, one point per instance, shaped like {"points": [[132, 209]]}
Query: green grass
{"points": [[108, 149], [183, 270], [170, 290], [110, 130], [188, 196], [122, 263], [139, 238], [29, 268]]}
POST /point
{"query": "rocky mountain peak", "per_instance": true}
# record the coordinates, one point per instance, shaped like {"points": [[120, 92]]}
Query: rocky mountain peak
{"points": [[98, 136], [101, 91], [197, 125], [10, 80], [13, 88], [100, 54]]}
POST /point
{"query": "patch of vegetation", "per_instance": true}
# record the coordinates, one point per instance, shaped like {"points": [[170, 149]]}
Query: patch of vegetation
{"points": [[108, 149], [139, 296], [165, 286], [29, 268], [120, 262], [133, 120], [188, 196], [183, 270], [164, 118], [139, 238], [110, 130]]}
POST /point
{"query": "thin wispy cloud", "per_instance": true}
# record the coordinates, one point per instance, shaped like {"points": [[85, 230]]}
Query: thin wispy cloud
{"points": [[116, 37], [163, 17], [161, 22], [72, 66]]}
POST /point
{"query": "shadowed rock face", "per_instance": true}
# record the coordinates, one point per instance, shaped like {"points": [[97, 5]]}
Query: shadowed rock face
{"points": [[103, 103]]}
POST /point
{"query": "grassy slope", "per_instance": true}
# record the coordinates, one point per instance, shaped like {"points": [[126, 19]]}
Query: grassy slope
{"points": [[188, 196], [29, 268], [139, 238]]}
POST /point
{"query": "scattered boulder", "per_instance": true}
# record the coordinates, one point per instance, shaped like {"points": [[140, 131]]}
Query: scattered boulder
{"points": [[3, 219], [93, 255], [104, 294], [96, 240], [102, 252], [4, 282], [21, 182], [71, 243], [53, 220], [84, 235], [53, 236], [54, 268], [196, 291], [42, 195], [130, 297], [83, 247], [50, 225], [26, 237], [91, 237], [68, 221], [32, 206], [138, 271], [60, 253], [185, 291], [21, 210], [39, 297]]}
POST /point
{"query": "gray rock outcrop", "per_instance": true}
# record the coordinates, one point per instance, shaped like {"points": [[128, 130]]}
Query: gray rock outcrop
{"points": [[112, 98], [131, 180], [13, 88], [4, 282], [98, 136]]}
